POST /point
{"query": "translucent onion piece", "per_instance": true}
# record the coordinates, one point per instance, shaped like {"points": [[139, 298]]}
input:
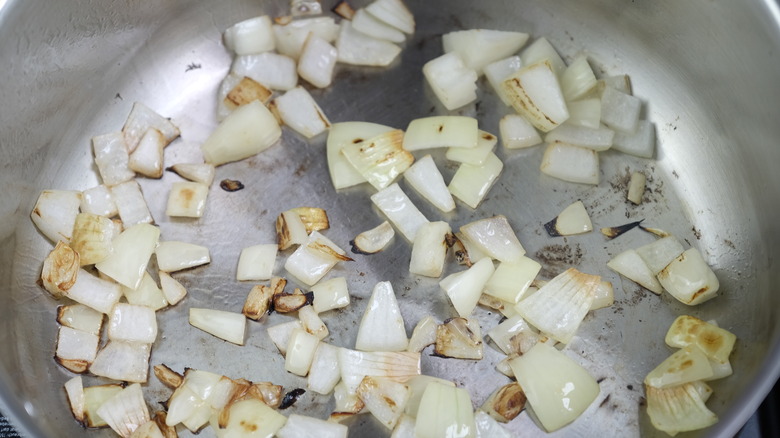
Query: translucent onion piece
{"points": [[459, 338], [379, 159], [147, 159], [424, 334], [558, 389], [689, 279], [487, 427], [132, 249], [683, 366], [310, 262], [620, 111], [224, 325], [464, 288], [394, 13], [60, 270], [630, 265], [253, 418], [505, 403], [76, 349], [453, 83], [382, 326], [495, 237], [604, 296], [249, 130], [541, 50], [290, 230], [425, 177], [343, 174], [429, 249], [640, 143], [517, 132], [598, 139], [441, 131], [497, 71], [357, 48], [131, 204], [74, 389], [514, 335], [678, 409], [94, 292], [120, 360], [366, 23], [299, 426], [125, 411], [572, 220], [55, 213], [480, 47], [536, 94], [112, 158], [324, 372], [312, 323], [510, 280], [257, 262], [80, 317], [559, 306], [274, 71], [475, 156], [399, 209], [291, 37], [140, 120], [471, 184], [183, 404], [187, 199], [147, 294], [280, 334], [300, 352], [636, 188], [251, 36], [445, 411], [404, 428], [578, 79], [374, 240], [417, 386], [571, 163], [202, 173], [174, 256], [92, 235], [384, 398], [131, 323], [659, 254], [346, 402], [300, 112], [715, 342], [587, 113], [355, 365], [98, 200], [171, 289], [94, 397], [330, 294]]}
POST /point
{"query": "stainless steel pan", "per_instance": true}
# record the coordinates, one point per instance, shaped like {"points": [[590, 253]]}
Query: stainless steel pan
{"points": [[708, 71]]}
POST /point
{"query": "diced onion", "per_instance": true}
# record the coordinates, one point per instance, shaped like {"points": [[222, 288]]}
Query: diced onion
{"points": [[536, 94], [630, 265], [636, 188], [689, 279], [587, 113], [249, 130], [374, 240], [343, 174], [174, 256], [291, 37], [394, 13], [425, 177], [299, 426], [424, 334], [477, 155], [131, 204], [678, 409], [717, 343], [598, 139], [355, 365], [251, 36], [604, 296], [60, 270], [382, 326], [578, 79], [317, 61], [253, 416], [417, 386], [429, 249], [487, 427], [310, 262], [505, 403], [514, 335], [459, 338], [384, 398], [517, 132], [112, 158], [300, 112], [620, 111], [571, 163], [366, 23], [74, 389], [55, 213], [453, 83], [131, 323], [445, 411], [330, 294], [277, 72], [257, 262], [499, 70], [187, 199], [495, 237], [686, 365], [202, 173], [640, 143], [224, 325], [324, 372], [94, 292], [394, 203], [441, 131], [98, 200], [510, 280], [119, 360], [147, 159], [541, 50], [280, 334], [125, 411], [140, 120], [300, 352], [471, 184], [171, 289], [94, 397], [659, 254], [80, 317], [572, 220], [480, 47], [76, 349], [357, 48], [379, 159], [464, 288]]}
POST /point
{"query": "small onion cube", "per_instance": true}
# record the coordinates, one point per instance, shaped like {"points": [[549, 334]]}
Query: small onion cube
{"points": [[394, 13], [290, 230], [147, 158], [640, 143], [475, 156], [172, 290], [536, 94], [112, 158], [571, 163], [291, 37], [280, 334], [74, 389], [187, 199], [140, 120], [357, 48], [374, 240], [224, 325], [598, 139], [91, 238], [274, 71], [511, 280], [300, 112], [394, 203], [119, 360], [480, 47], [517, 132], [659, 254], [604, 296], [620, 111], [98, 200], [425, 177], [330, 294], [355, 365], [464, 288], [424, 334], [317, 61], [587, 113], [541, 50], [572, 220], [429, 249], [366, 23], [299, 426], [689, 279], [630, 265], [250, 129], [471, 184], [312, 323], [76, 349], [251, 36], [379, 159], [202, 173], [578, 79], [454, 84], [382, 326], [342, 173], [131, 323], [80, 317], [257, 262], [310, 262], [131, 204], [444, 411], [324, 372], [441, 131], [60, 270], [495, 237], [94, 292], [636, 188], [558, 389], [126, 411], [514, 335], [717, 343], [678, 409], [384, 398], [300, 352], [55, 213], [497, 71]]}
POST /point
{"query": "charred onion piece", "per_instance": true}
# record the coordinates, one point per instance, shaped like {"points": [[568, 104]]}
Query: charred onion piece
{"points": [[458, 338], [291, 397], [613, 232], [285, 303], [344, 10], [658, 232], [490, 302], [505, 403], [60, 270], [167, 376], [167, 431], [231, 185], [374, 240], [258, 302], [313, 218]]}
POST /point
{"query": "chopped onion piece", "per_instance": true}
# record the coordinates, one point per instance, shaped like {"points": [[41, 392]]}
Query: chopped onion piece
{"points": [[571, 163], [578, 79], [280, 334], [453, 83], [344, 10], [587, 113], [505, 403], [394, 13], [541, 50], [466, 251], [253, 418], [74, 389], [417, 386], [94, 292], [167, 376], [659, 254], [514, 335], [558, 389], [400, 210], [429, 249], [404, 428], [310, 262], [384, 398], [559, 306], [425, 177], [76, 349], [60, 270], [174, 256], [150, 429], [312, 323], [494, 236], [604, 296], [459, 338], [620, 111], [499, 70], [572, 220], [187, 199], [598, 139], [346, 402], [366, 23], [324, 372], [445, 411], [678, 409], [125, 411], [94, 397], [92, 235], [147, 159], [374, 240], [355, 365], [131, 204], [684, 366], [487, 427], [291, 37], [55, 213], [715, 342], [251, 36], [330, 294], [636, 188], [343, 174], [299, 426], [640, 143], [290, 230], [274, 71], [471, 184], [172, 290], [140, 120], [464, 288], [300, 352], [250, 129], [441, 131], [379, 159], [517, 132], [286, 302], [183, 404], [80, 317], [313, 218], [510, 280], [131, 323], [630, 265], [689, 279], [201, 173], [257, 262], [98, 200], [382, 326], [224, 325], [424, 334], [480, 47], [300, 112], [475, 156], [536, 94], [357, 48], [258, 302], [119, 360], [112, 158]]}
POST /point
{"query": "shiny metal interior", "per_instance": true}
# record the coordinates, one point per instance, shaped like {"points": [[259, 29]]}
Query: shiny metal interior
{"points": [[707, 69]]}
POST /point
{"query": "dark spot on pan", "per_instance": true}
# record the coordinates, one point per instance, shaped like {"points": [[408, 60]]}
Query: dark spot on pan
{"points": [[605, 401]]}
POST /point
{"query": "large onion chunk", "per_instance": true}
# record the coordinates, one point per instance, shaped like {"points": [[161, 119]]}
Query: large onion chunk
{"points": [[132, 250], [686, 365], [94, 292], [480, 47], [453, 83], [382, 326], [251, 36], [76, 349], [357, 48], [717, 343], [119, 360], [571, 163], [558, 389], [299, 426], [689, 279], [471, 183], [394, 203], [445, 411], [384, 398], [55, 213], [342, 173], [355, 365], [60, 270], [249, 130], [300, 112], [678, 409], [125, 411], [112, 158], [495, 237], [464, 288], [224, 325], [536, 94], [381, 159]]}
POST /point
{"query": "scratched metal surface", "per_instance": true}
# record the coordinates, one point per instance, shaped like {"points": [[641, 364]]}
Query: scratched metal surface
{"points": [[76, 72]]}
